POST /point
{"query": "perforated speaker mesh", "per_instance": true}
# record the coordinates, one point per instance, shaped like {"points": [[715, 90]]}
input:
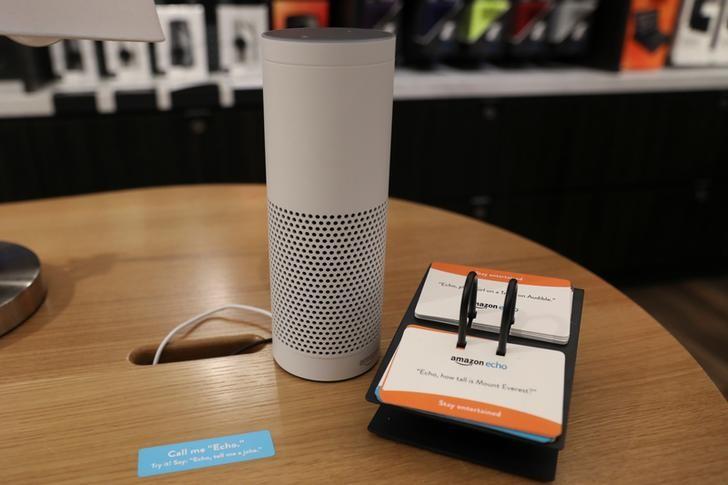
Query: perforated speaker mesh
{"points": [[327, 279]]}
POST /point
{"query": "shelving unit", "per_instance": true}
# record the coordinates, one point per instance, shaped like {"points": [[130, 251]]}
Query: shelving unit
{"points": [[450, 83], [602, 167], [442, 83]]}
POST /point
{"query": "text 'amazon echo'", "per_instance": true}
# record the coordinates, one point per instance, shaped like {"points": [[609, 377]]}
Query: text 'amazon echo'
{"points": [[328, 117]]}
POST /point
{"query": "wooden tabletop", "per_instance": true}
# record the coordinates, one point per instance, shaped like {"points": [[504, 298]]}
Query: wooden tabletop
{"points": [[124, 268]]}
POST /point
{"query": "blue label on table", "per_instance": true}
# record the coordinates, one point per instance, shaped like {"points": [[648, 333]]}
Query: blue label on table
{"points": [[192, 455]]}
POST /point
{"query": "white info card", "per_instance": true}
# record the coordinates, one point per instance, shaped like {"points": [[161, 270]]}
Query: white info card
{"points": [[521, 392], [543, 305]]}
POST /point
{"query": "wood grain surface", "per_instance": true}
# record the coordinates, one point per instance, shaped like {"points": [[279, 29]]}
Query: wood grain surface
{"points": [[695, 311], [123, 268]]}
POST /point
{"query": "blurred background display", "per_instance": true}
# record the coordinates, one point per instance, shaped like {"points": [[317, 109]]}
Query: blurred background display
{"points": [[466, 34], [598, 128]]}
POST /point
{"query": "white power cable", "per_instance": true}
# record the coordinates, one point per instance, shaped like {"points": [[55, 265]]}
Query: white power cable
{"points": [[197, 319]]}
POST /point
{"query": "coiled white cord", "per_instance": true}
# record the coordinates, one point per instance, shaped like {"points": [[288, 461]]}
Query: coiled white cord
{"points": [[199, 318]]}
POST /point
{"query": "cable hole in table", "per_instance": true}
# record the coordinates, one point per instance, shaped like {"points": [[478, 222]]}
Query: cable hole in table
{"points": [[197, 349]]}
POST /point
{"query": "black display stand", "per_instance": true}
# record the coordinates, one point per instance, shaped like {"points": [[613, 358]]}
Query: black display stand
{"points": [[469, 442]]}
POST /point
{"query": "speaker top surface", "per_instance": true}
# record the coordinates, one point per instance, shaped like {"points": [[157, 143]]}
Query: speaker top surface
{"points": [[330, 34], [328, 47]]}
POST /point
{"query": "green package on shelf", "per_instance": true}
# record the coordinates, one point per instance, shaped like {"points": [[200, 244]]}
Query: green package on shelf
{"points": [[479, 17]]}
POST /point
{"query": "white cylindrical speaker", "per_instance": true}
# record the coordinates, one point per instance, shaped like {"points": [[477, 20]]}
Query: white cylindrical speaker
{"points": [[328, 117]]}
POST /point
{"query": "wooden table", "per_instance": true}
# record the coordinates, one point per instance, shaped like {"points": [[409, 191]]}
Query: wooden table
{"points": [[123, 268]]}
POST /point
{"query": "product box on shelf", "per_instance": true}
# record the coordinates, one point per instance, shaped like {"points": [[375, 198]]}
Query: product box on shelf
{"points": [[430, 30], [697, 33], [29, 65], [183, 54], [75, 63], [570, 27], [370, 14], [528, 28], [720, 51], [649, 33], [238, 29], [9, 62], [127, 62], [367, 14], [482, 29], [633, 34], [288, 14]]}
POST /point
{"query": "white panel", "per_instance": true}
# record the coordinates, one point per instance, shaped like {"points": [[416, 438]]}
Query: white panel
{"points": [[81, 19]]}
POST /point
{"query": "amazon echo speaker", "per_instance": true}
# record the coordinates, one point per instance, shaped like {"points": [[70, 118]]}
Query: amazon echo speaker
{"points": [[328, 116]]}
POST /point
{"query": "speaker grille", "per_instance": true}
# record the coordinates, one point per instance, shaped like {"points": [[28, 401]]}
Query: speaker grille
{"points": [[327, 278]]}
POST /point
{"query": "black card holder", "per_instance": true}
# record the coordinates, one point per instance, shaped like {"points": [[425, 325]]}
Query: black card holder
{"points": [[479, 445]]}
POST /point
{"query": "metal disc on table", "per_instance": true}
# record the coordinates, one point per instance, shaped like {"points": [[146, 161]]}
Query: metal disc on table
{"points": [[21, 286]]}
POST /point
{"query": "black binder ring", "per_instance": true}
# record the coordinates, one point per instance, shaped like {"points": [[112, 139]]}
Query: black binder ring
{"points": [[467, 307], [509, 316]]}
